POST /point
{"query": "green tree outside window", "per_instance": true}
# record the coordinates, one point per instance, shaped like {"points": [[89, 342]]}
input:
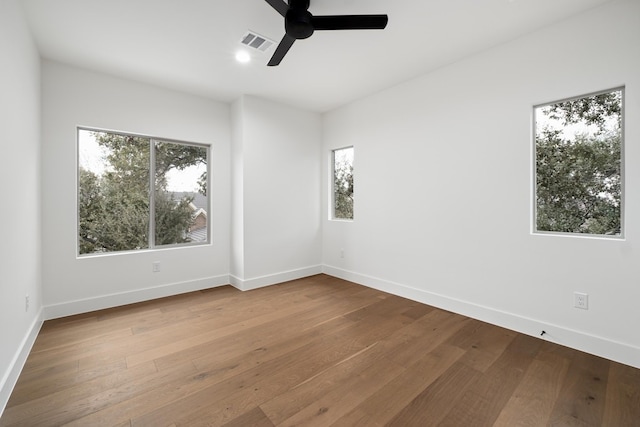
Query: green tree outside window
{"points": [[578, 145], [343, 183], [114, 191]]}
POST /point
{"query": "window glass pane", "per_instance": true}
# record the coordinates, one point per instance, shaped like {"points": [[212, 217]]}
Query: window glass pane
{"points": [[578, 146], [343, 183], [131, 198], [113, 192], [181, 202]]}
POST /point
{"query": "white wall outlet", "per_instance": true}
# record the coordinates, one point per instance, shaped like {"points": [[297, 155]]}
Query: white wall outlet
{"points": [[26, 302], [156, 266], [342, 253], [581, 300]]}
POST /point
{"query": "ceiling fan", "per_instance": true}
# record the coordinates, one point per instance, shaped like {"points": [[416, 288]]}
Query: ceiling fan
{"points": [[299, 24]]}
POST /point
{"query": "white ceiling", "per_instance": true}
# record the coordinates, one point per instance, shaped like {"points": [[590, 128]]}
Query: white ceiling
{"points": [[189, 45]]}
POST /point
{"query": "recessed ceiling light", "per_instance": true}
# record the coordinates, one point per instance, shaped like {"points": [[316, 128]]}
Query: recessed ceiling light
{"points": [[243, 56]]}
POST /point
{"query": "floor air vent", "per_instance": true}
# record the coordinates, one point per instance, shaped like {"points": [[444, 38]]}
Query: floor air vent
{"points": [[256, 41]]}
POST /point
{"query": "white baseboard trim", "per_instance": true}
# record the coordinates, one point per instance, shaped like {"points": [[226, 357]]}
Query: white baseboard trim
{"points": [[272, 279], [599, 346], [114, 300], [10, 376]]}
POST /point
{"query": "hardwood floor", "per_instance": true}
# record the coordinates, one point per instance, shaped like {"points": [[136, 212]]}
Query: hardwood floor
{"points": [[313, 352]]}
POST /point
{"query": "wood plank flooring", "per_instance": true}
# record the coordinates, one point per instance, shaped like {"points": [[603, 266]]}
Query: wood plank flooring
{"points": [[313, 352]]}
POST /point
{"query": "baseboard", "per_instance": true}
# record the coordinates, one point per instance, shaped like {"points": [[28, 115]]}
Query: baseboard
{"points": [[10, 376], [272, 279], [599, 346], [114, 300]]}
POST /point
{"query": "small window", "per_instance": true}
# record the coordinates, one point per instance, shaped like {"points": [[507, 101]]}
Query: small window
{"points": [[578, 161], [343, 183], [120, 208]]}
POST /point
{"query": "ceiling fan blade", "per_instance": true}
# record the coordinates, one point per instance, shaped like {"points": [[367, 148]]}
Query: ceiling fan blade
{"points": [[279, 5], [350, 22], [281, 50]]}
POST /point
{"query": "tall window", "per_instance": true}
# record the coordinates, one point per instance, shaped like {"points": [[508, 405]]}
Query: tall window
{"points": [[578, 154], [136, 192], [343, 183]]}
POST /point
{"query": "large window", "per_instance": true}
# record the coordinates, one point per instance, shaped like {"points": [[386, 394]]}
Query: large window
{"points": [[136, 192], [342, 161], [578, 160]]}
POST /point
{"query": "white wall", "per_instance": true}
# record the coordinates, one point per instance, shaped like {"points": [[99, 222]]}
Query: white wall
{"points": [[443, 182], [236, 266], [20, 189], [276, 161], [73, 97]]}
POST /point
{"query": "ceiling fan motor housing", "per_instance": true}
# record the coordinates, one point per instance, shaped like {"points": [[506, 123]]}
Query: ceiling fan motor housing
{"points": [[298, 20], [299, 23]]}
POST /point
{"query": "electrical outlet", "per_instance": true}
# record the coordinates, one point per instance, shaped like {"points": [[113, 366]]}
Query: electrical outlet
{"points": [[581, 300], [26, 302], [341, 253], [156, 266]]}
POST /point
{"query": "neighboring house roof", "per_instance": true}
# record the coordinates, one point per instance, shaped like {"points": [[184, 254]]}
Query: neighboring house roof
{"points": [[199, 200], [199, 235], [198, 211], [199, 205]]}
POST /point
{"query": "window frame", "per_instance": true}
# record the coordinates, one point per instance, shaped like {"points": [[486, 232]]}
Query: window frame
{"points": [[332, 195], [152, 168], [534, 169]]}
